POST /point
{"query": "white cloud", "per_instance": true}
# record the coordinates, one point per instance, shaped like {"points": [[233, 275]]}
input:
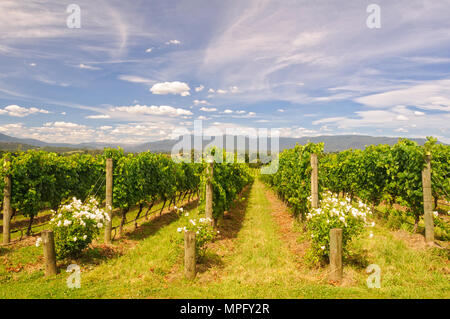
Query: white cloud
{"points": [[205, 109], [228, 111], [211, 91], [151, 110], [149, 50], [306, 39], [87, 67], [33, 64], [296, 132], [201, 102], [173, 42], [19, 111], [175, 87], [220, 91], [398, 116], [432, 95], [63, 125], [101, 116], [234, 89], [280, 110], [199, 88], [135, 79]]}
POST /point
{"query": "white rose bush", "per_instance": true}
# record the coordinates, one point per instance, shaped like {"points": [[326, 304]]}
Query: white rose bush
{"points": [[335, 213], [204, 232], [75, 225]]}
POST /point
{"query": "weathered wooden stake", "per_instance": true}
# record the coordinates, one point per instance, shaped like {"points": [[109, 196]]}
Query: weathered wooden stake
{"points": [[48, 242], [209, 191], [314, 182], [189, 255], [109, 199], [428, 200], [336, 254], [6, 208]]}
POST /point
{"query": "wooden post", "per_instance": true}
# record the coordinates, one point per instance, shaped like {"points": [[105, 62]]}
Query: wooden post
{"points": [[428, 200], [109, 199], [48, 242], [209, 191], [336, 254], [189, 255], [314, 182], [6, 207]]}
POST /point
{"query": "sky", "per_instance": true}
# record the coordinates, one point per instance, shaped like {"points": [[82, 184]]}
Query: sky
{"points": [[139, 71]]}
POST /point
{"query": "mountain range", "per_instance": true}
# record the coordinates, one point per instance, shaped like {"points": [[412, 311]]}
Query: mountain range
{"points": [[332, 143]]}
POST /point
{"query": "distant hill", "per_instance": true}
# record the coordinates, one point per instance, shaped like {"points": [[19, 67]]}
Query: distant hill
{"points": [[332, 143]]}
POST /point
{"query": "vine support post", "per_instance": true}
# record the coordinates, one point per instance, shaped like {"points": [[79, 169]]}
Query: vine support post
{"points": [[7, 208], [209, 191], [109, 199], [336, 254], [314, 182], [48, 242], [428, 200], [189, 255]]}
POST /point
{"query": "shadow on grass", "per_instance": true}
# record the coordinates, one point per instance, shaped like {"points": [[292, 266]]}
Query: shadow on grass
{"points": [[150, 227], [232, 220], [229, 227], [210, 260], [358, 258], [4, 250], [93, 255]]}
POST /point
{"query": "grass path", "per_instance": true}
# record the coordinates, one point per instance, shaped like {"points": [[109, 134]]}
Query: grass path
{"points": [[259, 254]]}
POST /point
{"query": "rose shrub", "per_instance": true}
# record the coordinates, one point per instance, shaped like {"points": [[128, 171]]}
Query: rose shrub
{"points": [[335, 213], [205, 233], [75, 225]]}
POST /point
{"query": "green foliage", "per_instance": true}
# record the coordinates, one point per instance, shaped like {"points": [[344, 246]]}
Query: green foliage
{"points": [[292, 180], [389, 173], [75, 225], [229, 178], [204, 232], [335, 213]]}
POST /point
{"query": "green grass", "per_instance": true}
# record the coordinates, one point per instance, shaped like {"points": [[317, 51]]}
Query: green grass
{"points": [[251, 260]]}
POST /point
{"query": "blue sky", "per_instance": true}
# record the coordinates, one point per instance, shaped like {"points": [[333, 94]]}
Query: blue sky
{"points": [[138, 71]]}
